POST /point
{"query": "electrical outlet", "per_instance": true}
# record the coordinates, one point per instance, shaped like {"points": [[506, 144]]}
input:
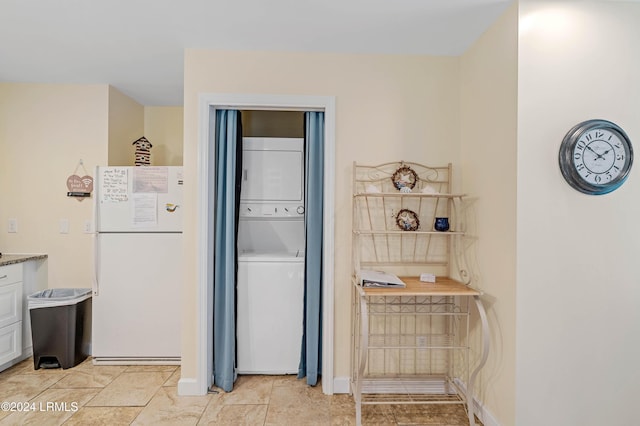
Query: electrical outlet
{"points": [[87, 227], [12, 226], [421, 341]]}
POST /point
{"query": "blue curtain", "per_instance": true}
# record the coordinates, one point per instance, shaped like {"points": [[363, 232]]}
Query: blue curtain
{"points": [[228, 139], [311, 352]]}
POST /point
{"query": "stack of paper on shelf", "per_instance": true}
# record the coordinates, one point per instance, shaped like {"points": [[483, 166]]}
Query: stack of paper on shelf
{"points": [[371, 278]]}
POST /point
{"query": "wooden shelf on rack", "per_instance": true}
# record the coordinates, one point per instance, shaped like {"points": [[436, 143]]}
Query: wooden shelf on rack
{"points": [[444, 286]]}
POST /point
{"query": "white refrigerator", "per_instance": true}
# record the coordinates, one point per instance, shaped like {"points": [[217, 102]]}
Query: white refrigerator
{"points": [[138, 265]]}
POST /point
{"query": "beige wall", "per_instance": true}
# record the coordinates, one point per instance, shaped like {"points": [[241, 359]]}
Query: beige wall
{"points": [[388, 107], [45, 130], [126, 124], [163, 126], [488, 132], [577, 297], [128, 121]]}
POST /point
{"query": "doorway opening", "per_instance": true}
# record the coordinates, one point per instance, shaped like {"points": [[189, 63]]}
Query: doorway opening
{"points": [[209, 103], [270, 285]]}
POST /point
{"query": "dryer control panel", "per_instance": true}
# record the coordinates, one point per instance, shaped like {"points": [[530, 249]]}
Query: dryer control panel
{"points": [[271, 210]]}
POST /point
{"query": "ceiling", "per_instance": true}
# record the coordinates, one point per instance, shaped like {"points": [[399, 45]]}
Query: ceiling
{"points": [[137, 46]]}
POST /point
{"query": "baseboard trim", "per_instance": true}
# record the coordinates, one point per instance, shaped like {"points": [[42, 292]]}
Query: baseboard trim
{"points": [[482, 412], [341, 385], [188, 387], [105, 360]]}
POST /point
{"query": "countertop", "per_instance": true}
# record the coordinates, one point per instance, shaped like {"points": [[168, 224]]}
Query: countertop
{"points": [[9, 259]]}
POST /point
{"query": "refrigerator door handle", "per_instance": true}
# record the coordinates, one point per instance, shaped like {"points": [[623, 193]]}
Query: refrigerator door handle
{"points": [[96, 264], [96, 223]]}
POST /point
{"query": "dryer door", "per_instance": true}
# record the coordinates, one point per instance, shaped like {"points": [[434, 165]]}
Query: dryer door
{"points": [[272, 176], [272, 170]]}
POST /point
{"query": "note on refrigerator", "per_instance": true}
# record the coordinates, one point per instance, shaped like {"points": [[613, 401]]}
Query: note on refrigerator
{"points": [[144, 210], [151, 179], [115, 182]]}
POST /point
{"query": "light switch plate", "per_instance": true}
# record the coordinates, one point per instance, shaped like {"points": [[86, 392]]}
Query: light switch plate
{"points": [[64, 226]]}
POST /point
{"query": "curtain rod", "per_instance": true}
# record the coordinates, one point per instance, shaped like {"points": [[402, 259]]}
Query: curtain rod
{"points": [[268, 108]]}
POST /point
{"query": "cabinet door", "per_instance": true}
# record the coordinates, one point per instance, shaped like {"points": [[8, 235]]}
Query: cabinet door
{"points": [[10, 304], [10, 342], [10, 274]]}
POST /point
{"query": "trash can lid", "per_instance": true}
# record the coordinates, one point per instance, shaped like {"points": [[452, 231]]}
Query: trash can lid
{"points": [[58, 297]]}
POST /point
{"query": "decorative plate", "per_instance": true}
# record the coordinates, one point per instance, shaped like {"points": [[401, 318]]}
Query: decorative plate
{"points": [[407, 220], [404, 177]]}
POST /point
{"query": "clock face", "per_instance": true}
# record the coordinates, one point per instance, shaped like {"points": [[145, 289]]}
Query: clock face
{"points": [[595, 157], [599, 156]]}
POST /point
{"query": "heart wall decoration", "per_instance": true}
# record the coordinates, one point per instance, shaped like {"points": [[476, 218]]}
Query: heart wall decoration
{"points": [[79, 186]]}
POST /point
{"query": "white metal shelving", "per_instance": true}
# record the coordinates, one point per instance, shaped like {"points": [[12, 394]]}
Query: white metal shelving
{"points": [[411, 345]]}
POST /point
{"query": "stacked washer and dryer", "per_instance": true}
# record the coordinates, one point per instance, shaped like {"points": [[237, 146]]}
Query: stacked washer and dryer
{"points": [[270, 288]]}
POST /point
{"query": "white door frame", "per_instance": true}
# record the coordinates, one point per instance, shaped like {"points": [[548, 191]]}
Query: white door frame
{"points": [[208, 103]]}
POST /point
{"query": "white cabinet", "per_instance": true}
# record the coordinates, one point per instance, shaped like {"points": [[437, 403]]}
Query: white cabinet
{"points": [[10, 342], [20, 276], [11, 298]]}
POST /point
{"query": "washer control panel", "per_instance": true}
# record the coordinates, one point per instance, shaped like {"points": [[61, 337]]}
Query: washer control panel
{"points": [[274, 210]]}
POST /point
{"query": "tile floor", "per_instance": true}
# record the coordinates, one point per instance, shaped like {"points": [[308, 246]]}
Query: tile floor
{"points": [[147, 395]]}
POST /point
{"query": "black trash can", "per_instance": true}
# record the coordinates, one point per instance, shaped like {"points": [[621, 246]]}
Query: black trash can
{"points": [[60, 327]]}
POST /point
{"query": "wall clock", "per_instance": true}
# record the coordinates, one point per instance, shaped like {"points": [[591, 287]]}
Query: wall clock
{"points": [[595, 157]]}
